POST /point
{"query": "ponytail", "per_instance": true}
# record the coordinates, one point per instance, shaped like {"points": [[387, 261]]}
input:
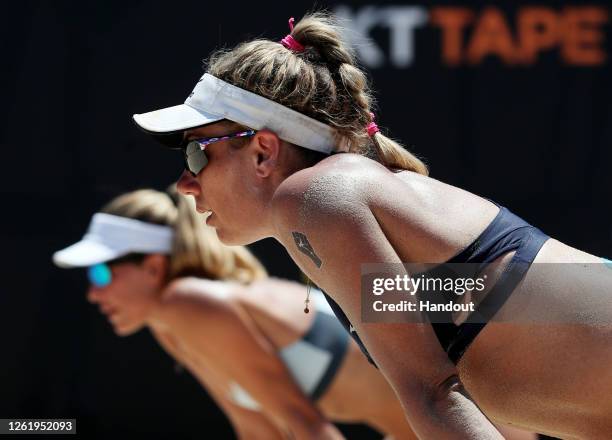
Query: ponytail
{"points": [[395, 156], [321, 80]]}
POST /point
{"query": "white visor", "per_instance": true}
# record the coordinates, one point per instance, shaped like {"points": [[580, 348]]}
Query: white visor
{"points": [[110, 236], [213, 100]]}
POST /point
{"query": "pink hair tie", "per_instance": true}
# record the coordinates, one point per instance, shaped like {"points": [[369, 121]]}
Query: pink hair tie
{"points": [[372, 128], [291, 43]]}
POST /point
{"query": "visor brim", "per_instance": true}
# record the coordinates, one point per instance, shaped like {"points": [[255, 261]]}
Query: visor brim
{"points": [[85, 253], [172, 119], [167, 125]]}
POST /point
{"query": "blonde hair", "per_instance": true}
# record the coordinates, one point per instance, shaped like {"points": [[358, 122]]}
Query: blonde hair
{"points": [[323, 82], [196, 250]]}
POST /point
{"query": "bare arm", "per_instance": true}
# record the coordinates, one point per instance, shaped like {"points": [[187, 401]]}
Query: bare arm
{"points": [[247, 424], [217, 331], [330, 232]]}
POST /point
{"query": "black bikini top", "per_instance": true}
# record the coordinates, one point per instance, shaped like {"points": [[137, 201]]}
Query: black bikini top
{"points": [[507, 232]]}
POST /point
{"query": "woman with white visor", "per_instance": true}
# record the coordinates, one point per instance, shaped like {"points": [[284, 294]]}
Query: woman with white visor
{"points": [[259, 129], [272, 369]]}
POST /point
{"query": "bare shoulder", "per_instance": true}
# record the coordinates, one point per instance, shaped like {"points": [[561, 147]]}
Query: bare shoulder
{"points": [[333, 171], [336, 184], [205, 295], [270, 285]]}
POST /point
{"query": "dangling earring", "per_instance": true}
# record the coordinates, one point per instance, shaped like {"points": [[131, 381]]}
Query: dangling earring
{"points": [[307, 300]]}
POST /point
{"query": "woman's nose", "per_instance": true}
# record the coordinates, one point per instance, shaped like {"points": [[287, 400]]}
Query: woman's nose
{"points": [[94, 294], [188, 185]]}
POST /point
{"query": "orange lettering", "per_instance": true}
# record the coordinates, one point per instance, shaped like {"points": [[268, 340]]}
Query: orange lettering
{"points": [[452, 21], [538, 28], [491, 37], [582, 35]]}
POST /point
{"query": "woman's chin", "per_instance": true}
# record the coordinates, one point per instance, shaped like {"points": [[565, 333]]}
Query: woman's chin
{"points": [[234, 238], [123, 330], [225, 237]]}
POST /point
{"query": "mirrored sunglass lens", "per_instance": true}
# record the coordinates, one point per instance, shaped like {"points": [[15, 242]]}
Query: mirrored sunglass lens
{"points": [[195, 157], [192, 147], [99, 275]]}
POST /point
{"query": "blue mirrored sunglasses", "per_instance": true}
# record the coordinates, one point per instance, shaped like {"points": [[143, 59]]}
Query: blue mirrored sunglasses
{"points": [[99, 275], [195, 157]]}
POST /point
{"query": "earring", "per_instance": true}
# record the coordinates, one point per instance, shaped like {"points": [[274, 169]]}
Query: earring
{"points": [[307, 300]]}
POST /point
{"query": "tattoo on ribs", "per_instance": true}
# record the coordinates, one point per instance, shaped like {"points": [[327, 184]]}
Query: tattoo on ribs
{"points": [[304, 246]]}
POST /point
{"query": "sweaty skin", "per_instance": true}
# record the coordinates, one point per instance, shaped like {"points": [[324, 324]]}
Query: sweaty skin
{"points": [[348, 210], [430, 222], [226, 333], [358, 394]]}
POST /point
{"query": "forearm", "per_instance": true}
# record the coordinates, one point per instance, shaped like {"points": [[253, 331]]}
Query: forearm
{"points": [[323, 431], [250, 425], [307, 424], [327, 431], [450, 414]]}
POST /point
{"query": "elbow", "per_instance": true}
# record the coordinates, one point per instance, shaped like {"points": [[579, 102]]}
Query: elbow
{"points": [[443, 395], [428, 399], [444, 410], [451, 384], [450, 404]]}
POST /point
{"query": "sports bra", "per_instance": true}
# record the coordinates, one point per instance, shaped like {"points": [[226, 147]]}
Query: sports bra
{"points": [[312, 361], [507, 232]]}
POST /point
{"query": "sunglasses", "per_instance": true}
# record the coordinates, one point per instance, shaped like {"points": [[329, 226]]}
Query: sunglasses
{"points": [[195, 157], [100, 275]]}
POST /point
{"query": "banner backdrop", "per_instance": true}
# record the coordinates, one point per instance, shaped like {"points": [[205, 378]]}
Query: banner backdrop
{"points": [[512, 101]]}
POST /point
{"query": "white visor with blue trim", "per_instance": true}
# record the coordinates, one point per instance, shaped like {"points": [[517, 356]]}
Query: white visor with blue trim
{"points": [[110, 237], [213, 100]]}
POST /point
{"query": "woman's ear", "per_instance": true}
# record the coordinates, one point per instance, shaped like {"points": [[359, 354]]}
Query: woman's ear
{"points": [[266, 145], [156, 268]]}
